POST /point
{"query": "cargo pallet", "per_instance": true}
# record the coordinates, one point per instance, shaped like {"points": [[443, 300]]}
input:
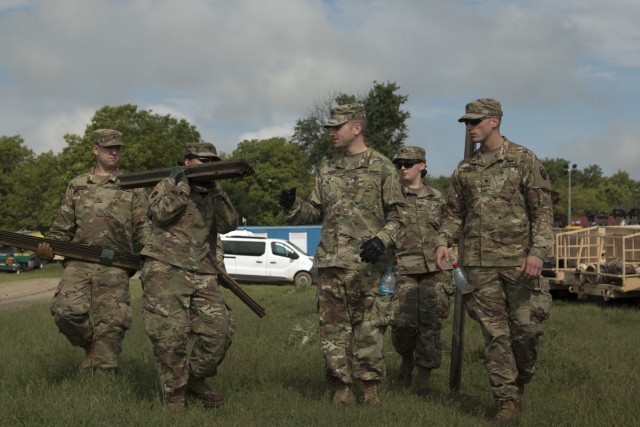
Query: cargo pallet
{"points": [[601, 262]]}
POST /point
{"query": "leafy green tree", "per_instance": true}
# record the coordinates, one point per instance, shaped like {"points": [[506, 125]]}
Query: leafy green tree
{"points": [[15, 158], [278, 164], [386, 122], [35, 200], [441, 183]]}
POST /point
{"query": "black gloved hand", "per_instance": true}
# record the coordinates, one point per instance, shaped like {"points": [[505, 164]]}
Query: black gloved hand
{"points": [[287, 198], [177, 173], [209, 185], [372, 250]]}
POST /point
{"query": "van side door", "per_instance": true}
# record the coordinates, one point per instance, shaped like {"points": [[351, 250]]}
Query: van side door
{"points": [[246, 257], [282, 263]]}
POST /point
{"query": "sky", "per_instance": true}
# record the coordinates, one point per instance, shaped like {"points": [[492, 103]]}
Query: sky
{"points": [[567, 72]]}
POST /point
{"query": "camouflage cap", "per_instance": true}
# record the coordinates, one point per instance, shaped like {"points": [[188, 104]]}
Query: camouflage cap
{"points": [[410, 153], [107, 137], [343, 113], [481, 108], [201, 149]]}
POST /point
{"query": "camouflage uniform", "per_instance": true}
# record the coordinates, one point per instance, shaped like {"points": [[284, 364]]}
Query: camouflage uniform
{"points": [[503, 211], [181, 293], [421, 299], [91, 304], [357, 198]]}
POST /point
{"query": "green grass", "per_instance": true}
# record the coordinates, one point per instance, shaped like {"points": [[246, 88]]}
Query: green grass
{"points": [[273, 374], [48, 271]]}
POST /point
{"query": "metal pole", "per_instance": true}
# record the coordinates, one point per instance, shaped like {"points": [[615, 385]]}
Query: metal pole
{"points": [[569, 197]]}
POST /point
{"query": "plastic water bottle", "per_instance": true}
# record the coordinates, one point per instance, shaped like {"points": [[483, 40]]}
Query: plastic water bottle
{"points": [[459, 276], [387, 281]]}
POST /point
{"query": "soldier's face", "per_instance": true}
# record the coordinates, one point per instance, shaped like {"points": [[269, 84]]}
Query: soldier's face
{"points": [[343, 136], [107, 157], [410, 172], [479, 130]]}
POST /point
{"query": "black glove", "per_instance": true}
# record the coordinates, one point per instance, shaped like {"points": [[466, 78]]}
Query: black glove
{"points": [[209, 185], [287, 198], [372, 250], [177, 173]]}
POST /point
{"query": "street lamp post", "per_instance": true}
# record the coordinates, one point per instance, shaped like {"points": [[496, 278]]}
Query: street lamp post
{"points": [[569, 170]]}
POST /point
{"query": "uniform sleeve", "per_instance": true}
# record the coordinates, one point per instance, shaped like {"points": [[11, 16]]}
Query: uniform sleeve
{"points": [[538, 193], [140, 218], [224, 214], [393, 204], [307, 212], [64, 227], [168, 200], [453, 215]]}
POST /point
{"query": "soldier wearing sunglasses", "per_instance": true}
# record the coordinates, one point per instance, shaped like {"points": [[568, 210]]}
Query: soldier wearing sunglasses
{"points": [[421, 300]]}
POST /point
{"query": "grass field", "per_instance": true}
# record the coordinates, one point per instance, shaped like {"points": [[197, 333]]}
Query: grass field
{"points": [[273, 374]]}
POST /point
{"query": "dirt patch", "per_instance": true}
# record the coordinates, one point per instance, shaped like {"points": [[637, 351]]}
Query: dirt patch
{"points": [[24, 293]]}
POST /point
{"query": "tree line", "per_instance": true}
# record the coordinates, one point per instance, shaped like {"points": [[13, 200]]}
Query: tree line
{"points": [[32, 186]]}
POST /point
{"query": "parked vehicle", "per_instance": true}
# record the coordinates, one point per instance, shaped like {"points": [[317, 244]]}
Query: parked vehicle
{"points": [[17, 260], [260, 259]]}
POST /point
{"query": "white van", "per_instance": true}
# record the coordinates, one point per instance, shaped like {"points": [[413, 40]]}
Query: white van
{"points": [[261, 259]]}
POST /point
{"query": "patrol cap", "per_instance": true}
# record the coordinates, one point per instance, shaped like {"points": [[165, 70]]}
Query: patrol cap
{"points": [[343, 113], [410, 153], [107, 137], [481, 108], [201, 149]]}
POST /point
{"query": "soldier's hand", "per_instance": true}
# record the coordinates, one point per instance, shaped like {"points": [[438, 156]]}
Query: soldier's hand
{"points": [[372, 250], [287, 198], [44, 251], [441, 252], [531, 267], [177, 173]]}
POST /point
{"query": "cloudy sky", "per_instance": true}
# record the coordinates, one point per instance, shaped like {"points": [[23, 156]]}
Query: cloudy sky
{"points": [[566, 71]]}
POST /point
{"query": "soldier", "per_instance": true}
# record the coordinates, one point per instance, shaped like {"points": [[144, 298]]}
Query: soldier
{"points": [[181, 293], [91, 305], [421, 299], [500, 203], [357, 195]]}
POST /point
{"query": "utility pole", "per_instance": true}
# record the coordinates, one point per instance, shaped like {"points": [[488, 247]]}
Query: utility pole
{"points": [[569, 170]]}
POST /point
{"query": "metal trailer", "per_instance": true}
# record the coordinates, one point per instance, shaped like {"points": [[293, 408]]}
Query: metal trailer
{"points": [[601, 262]]}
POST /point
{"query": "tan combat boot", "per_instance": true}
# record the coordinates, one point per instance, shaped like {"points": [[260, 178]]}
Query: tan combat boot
{"points": [[86, 366], [343, 395], [423, 385], [371, 393], [406, 370], [507, 415], [210, 397], [175, 401]]}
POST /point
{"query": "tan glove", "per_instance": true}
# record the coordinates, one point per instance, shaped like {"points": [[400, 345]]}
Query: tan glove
{"points": [[44, 251]]}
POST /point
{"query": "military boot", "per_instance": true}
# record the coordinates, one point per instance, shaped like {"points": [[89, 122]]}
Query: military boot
{"points": [[423, 385], [343, 395], [371, 393], [210, 397], [406, 370], [175, 401], [507, 415], [86, 366]]}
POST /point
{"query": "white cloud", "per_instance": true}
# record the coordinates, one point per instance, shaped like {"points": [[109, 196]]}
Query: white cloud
{"points": [[230, 68]]}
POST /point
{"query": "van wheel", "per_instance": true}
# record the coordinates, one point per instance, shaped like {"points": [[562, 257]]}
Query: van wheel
{"points": [[302, 279]]}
